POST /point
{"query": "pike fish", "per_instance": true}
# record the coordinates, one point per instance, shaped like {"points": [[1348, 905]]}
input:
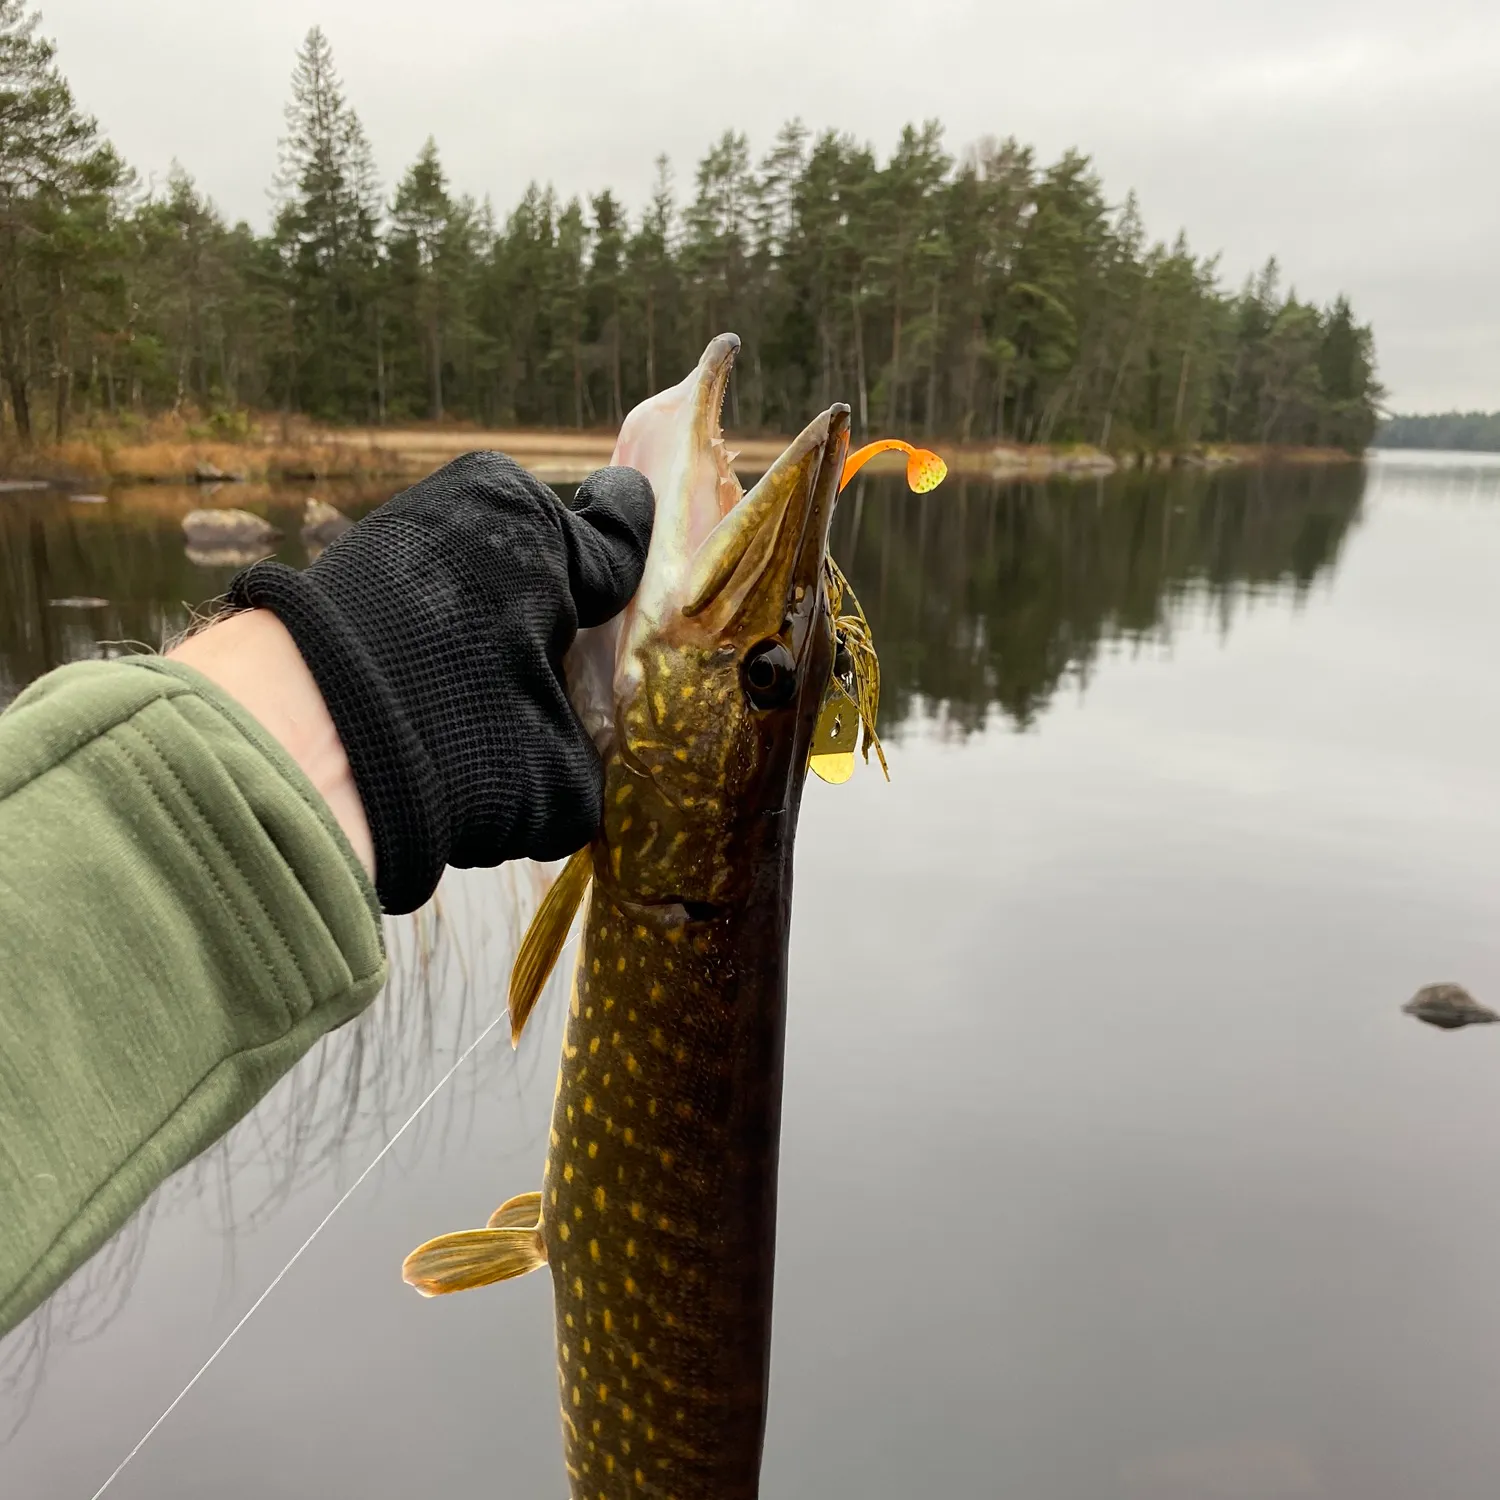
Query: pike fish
{"points": [[657, 1210]]}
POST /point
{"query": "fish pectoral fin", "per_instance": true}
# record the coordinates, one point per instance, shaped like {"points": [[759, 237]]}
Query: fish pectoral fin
{"points": [[521, 1212], [473, 1257], [544, 939]]}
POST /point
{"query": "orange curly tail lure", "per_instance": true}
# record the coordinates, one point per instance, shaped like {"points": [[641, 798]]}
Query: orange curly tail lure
{"points": [[853, 697], [924, 469]]}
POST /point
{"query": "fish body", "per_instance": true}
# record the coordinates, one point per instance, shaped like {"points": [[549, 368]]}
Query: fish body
{"points": [[657, 1212]]}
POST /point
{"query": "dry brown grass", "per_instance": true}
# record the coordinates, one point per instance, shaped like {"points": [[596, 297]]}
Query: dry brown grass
{"points": [[176, 449]]}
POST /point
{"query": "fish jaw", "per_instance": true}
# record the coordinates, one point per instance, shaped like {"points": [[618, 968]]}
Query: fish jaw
{"points": [[676, 440]]}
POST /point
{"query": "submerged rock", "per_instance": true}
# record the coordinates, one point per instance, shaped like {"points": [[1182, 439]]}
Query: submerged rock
{"points": [[1448, 1006], [322, 523], [227, 528], [227, 557]]}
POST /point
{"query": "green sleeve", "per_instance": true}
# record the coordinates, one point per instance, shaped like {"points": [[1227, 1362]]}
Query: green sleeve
{"points": [[180, 919]]}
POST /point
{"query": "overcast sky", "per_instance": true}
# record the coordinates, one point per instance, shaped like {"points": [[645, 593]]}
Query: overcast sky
{"points": [[1357, 140]]}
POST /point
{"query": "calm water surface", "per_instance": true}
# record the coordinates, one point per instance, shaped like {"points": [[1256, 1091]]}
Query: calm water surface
{"points": [[1110, 1167]]}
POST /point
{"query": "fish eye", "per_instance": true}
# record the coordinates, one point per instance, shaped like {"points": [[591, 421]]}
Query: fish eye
{"points": [[770, 675]]}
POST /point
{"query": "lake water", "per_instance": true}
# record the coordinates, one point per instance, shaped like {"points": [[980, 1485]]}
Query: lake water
{"points": [[1110, 1166]]}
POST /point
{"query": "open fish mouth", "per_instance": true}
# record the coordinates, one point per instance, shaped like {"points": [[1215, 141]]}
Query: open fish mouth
{"points": [[729, 562]]}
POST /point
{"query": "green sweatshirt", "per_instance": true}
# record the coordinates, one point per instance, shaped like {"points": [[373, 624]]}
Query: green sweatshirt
{"points": [[180, 919]]}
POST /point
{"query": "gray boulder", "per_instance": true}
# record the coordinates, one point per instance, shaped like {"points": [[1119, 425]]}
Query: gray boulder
{"points": [[227, 528], [322, 523], [1448, 1006]]}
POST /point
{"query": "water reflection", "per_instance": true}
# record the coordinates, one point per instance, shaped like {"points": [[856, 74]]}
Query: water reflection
{"points": [[985, 597], [982, 596]]}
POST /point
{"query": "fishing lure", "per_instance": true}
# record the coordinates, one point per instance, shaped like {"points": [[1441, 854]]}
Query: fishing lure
{"points": [[852, 699]]}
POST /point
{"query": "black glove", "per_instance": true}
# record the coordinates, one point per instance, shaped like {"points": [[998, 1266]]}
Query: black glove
{"points": [[436, 629]]}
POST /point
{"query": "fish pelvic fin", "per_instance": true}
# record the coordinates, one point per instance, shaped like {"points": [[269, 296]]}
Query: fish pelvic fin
{"points": [[473, 1257], [521, 1212], [544, 939]]}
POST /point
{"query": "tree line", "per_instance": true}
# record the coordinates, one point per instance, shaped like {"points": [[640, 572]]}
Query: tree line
{"points": [[981, 297], [1463, 431]]}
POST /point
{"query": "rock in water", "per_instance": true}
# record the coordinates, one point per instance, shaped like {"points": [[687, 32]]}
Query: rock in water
{"points": [[1448, 1006], [207, 473], [227, 528], [322, 524]]}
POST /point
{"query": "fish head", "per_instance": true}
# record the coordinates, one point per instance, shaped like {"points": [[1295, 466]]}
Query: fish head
{"points": [[723, 657]]}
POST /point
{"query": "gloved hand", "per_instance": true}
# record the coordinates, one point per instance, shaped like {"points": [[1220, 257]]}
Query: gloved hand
{"points": [[436, 629]]}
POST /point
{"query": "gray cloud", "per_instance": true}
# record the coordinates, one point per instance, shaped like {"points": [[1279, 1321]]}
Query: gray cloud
{"points": [[1355, 141]]}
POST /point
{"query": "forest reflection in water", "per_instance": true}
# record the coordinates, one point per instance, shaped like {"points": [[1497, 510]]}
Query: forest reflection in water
{"points": [[983, 598], [982, 595], [986, 597]]}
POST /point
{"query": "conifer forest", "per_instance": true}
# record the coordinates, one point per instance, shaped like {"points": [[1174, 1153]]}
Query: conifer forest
{"points": [[975, 294]]}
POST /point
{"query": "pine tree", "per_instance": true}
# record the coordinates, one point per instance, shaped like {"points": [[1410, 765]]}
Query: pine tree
{"points": [[55, 175], [327, 234]]}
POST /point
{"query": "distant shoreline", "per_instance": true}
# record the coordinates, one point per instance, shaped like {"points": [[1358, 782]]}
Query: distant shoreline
{"points": [[306, 453]]}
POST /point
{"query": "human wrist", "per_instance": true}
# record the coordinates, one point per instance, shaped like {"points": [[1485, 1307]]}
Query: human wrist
{"points": [[252, 657]]}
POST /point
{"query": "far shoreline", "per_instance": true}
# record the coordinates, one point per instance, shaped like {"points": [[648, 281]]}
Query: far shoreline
{"points": [[302, 452]]}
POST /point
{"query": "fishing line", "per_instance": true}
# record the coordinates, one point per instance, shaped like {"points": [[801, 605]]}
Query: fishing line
{"points": [[297, 1253]]}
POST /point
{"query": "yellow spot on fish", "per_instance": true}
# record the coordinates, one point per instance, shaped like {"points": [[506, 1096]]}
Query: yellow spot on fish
{"points": [[577, 1396], [567, 1171], [588, 1347], [640, 1476], [593, 1046], [603, 1391], [640, 931], [667, 1159], [674, 934], [687, 690], [637, 1211], [593, 1149], [609, 1468], [684, 1110], [629, 1136], [609, 1322], [657, 992], [578, 1211], [578, 1286], [599, 1199], [588, 1104], [627, 1413], [596, 970], [631, 1065], [563, 1231], [665, 1262], [663, 1222], [594, 1249], [566, 1354], [630, 1249], [568, 1319], [614, 860], [651, 1106], [630, 1290]]}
